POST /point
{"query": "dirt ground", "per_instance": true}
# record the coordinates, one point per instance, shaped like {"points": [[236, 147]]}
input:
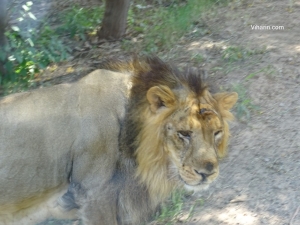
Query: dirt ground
{"points": [[260, 178]]}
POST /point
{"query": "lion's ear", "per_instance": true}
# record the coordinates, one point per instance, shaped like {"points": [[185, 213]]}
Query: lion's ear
{"points": [[226, 99], [160, 96]]}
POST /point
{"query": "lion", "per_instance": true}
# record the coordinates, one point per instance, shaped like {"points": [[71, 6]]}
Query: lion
{"points": [[109, 148]]}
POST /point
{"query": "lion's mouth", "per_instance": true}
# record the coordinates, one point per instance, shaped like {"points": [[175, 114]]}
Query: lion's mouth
{"points": [[194, 184], [197, 187], [204, 179]]}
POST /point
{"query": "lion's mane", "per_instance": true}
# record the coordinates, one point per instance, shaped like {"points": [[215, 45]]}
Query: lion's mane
{"points": [[141, 140]]}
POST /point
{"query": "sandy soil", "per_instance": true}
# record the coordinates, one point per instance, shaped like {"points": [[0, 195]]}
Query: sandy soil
{"points": [[260, 178]]}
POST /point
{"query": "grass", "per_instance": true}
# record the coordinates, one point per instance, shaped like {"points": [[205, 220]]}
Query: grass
{"points": [[162, 27], [236, 53], [173, 209], [269, 71], [244, 106], [198, 58]]}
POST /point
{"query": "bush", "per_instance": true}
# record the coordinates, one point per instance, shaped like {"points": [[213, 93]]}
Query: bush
{"points": [[29, 50]]}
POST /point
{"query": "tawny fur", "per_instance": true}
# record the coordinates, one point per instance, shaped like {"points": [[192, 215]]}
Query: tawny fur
{"points": [[117, 142]]}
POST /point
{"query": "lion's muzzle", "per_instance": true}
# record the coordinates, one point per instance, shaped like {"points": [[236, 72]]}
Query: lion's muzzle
{"points": [[198, 176]]}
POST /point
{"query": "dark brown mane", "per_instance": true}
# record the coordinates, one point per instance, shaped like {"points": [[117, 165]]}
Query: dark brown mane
{"points": [[160, 73], [146, 73], [193, 78], [151, 71]]}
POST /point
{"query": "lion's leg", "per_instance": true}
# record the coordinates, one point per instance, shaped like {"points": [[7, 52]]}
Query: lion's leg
{"points": [[100, 211]]}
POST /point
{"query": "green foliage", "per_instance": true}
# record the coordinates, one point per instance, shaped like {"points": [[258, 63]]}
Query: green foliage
{"points": [[162, 27], [269, 71], [28, 51], [244, 105], [78, 21], [172, 208], [198, 58], [33, 45], [234, 53]]}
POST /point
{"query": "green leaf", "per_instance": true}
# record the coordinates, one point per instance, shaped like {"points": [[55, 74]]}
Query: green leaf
{"points": [[25, 7], [2, 55], [19, 58], [29, 3], [31, 16], [250, 76], [15, 28], [30, 42]]}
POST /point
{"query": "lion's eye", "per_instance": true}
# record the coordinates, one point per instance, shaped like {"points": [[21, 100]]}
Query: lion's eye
{"points": [[218, 135], [184, 134]]}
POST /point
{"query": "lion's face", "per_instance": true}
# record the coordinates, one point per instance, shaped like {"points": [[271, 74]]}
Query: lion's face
{"points": [[193, 134], [193, 131]]}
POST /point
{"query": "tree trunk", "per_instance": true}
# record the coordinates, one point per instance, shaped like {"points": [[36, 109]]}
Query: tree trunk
{"points": [[115, 18], [2, 36]]}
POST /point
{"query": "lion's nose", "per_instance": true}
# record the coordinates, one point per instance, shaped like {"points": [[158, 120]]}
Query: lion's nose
{"points": [[207, 171], [203, 175], [209, 166]]}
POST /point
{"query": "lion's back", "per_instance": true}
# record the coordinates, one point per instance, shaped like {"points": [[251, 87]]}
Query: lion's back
{"points": [[52, 133]]}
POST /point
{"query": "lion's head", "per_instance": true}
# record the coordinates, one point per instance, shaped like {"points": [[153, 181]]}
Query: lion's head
{"points": [[180, 127]]}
